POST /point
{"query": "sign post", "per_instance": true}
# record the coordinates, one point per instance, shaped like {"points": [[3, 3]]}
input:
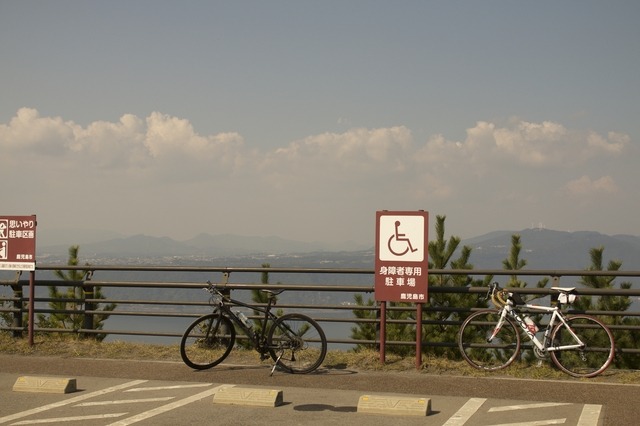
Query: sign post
{"points": [[18, 253], [401, 267]]}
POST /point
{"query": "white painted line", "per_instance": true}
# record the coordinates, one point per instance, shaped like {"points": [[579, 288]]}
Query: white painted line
{"points": [[163, 409], [528, 406], [70, 419], [15, 416], [590, 415], [536, 423], [465, 412], [197, 385], [123, 401]]}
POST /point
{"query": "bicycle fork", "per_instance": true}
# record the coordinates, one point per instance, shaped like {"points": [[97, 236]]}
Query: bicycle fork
{"points": [[496, 330]]}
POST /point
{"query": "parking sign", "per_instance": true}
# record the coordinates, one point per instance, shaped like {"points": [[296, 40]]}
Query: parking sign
{"points": [[401, 273], [18, 243]]}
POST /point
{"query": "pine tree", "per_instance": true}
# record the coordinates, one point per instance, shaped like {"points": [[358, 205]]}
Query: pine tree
{"points": [[446, 310], [622, 338], [68, 303], [515, 263]]}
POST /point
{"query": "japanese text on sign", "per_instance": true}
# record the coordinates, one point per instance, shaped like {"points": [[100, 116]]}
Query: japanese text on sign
{"points": [[18, 242], [401, 256]]}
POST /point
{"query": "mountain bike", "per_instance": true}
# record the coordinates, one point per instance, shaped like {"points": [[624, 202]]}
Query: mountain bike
{"points": [[579, 345], [295, 342]]}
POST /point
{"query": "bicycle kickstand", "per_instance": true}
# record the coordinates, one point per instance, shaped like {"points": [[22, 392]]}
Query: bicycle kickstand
{"points": [[275, 364]]}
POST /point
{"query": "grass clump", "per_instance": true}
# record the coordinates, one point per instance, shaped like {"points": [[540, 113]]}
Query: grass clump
{"points": [[362, 360]]}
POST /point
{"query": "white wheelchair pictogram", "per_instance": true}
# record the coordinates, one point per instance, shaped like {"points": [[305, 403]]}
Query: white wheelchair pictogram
{"points": [[399, 244]]}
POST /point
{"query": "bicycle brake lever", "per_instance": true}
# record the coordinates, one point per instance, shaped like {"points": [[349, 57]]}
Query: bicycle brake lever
{"points": [[492, 289]]}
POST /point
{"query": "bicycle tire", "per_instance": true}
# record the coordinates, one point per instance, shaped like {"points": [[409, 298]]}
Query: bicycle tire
{"points": [[297, 343], [591, 360], [484, 355], [207, 341]]}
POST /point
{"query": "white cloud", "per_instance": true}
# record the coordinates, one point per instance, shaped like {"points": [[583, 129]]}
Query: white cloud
{"points": [[356, 146], [585, 187], [161, 142], [614, 144], [532, 145], [111, 145], [158, 164], [172, 141], [27, 131]]}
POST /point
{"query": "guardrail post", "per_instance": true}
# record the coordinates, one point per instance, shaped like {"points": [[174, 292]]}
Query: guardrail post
{"points": [[88, 293], [32, 305], [418, 335], [555, 282], [18, 306], [383, 331], [225, 280]]}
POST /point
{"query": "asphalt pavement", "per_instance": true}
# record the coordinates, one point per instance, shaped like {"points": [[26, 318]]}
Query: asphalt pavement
{"points": [[119, 392]]}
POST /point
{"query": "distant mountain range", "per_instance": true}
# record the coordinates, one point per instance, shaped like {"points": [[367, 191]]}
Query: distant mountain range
{"points": [[203, 245], [548, 249], [541, 248]]}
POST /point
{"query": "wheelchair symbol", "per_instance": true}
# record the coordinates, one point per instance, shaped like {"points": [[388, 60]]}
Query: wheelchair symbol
{"points": [[398, 243]]}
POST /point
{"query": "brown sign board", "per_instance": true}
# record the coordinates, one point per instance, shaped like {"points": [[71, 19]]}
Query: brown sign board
{"points": [[401, 267], [18, 243]]}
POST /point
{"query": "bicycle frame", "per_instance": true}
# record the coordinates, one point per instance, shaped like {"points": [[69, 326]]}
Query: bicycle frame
{"points": [[543, 346], [257, 339]]}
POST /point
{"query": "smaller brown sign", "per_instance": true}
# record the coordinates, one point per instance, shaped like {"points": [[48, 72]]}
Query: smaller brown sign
{"points": [[18, 243]]}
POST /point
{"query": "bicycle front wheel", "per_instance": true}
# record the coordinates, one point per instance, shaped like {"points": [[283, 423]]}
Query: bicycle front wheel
{"points": [[478, 351], [207, 341], [591, 359], [297, 343]]}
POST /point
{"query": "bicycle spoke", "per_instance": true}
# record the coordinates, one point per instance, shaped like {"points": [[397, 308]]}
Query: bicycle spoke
{"points": [[297, 343], [590, 360], [478, 351], [207, 341]]}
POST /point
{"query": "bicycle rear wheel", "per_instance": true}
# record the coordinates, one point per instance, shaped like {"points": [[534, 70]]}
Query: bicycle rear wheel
{"points": [[474, 346], [297, 343], [590, 360], [207, 341]]}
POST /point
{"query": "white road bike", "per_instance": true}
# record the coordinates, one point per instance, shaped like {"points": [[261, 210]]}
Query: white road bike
{"points": [[580, 345]]}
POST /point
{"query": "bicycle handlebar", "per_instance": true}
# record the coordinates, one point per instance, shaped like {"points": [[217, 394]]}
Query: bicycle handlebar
{"points": [[492, 289]]}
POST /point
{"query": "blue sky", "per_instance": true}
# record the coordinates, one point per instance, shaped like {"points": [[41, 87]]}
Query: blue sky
{"points": [[301, 119]]}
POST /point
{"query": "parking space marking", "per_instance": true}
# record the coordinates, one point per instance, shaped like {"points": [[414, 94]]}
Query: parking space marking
{"points": [[536, 423], [155, 388], [123, 401], [465, 412], [590, 415], [163, 409], [62, 403], [70, 419], [528, 406]]}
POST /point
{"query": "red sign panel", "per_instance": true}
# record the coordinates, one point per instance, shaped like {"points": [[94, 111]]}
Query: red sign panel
{"points": [[402, 256], [18, 243]]}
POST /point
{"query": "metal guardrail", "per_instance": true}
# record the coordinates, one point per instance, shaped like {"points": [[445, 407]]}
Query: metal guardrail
{"points": [[187, 308]]}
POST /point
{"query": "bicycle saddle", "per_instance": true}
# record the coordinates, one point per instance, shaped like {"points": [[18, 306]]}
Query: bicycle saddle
{"points": [[272, 292], [563, 289]]}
